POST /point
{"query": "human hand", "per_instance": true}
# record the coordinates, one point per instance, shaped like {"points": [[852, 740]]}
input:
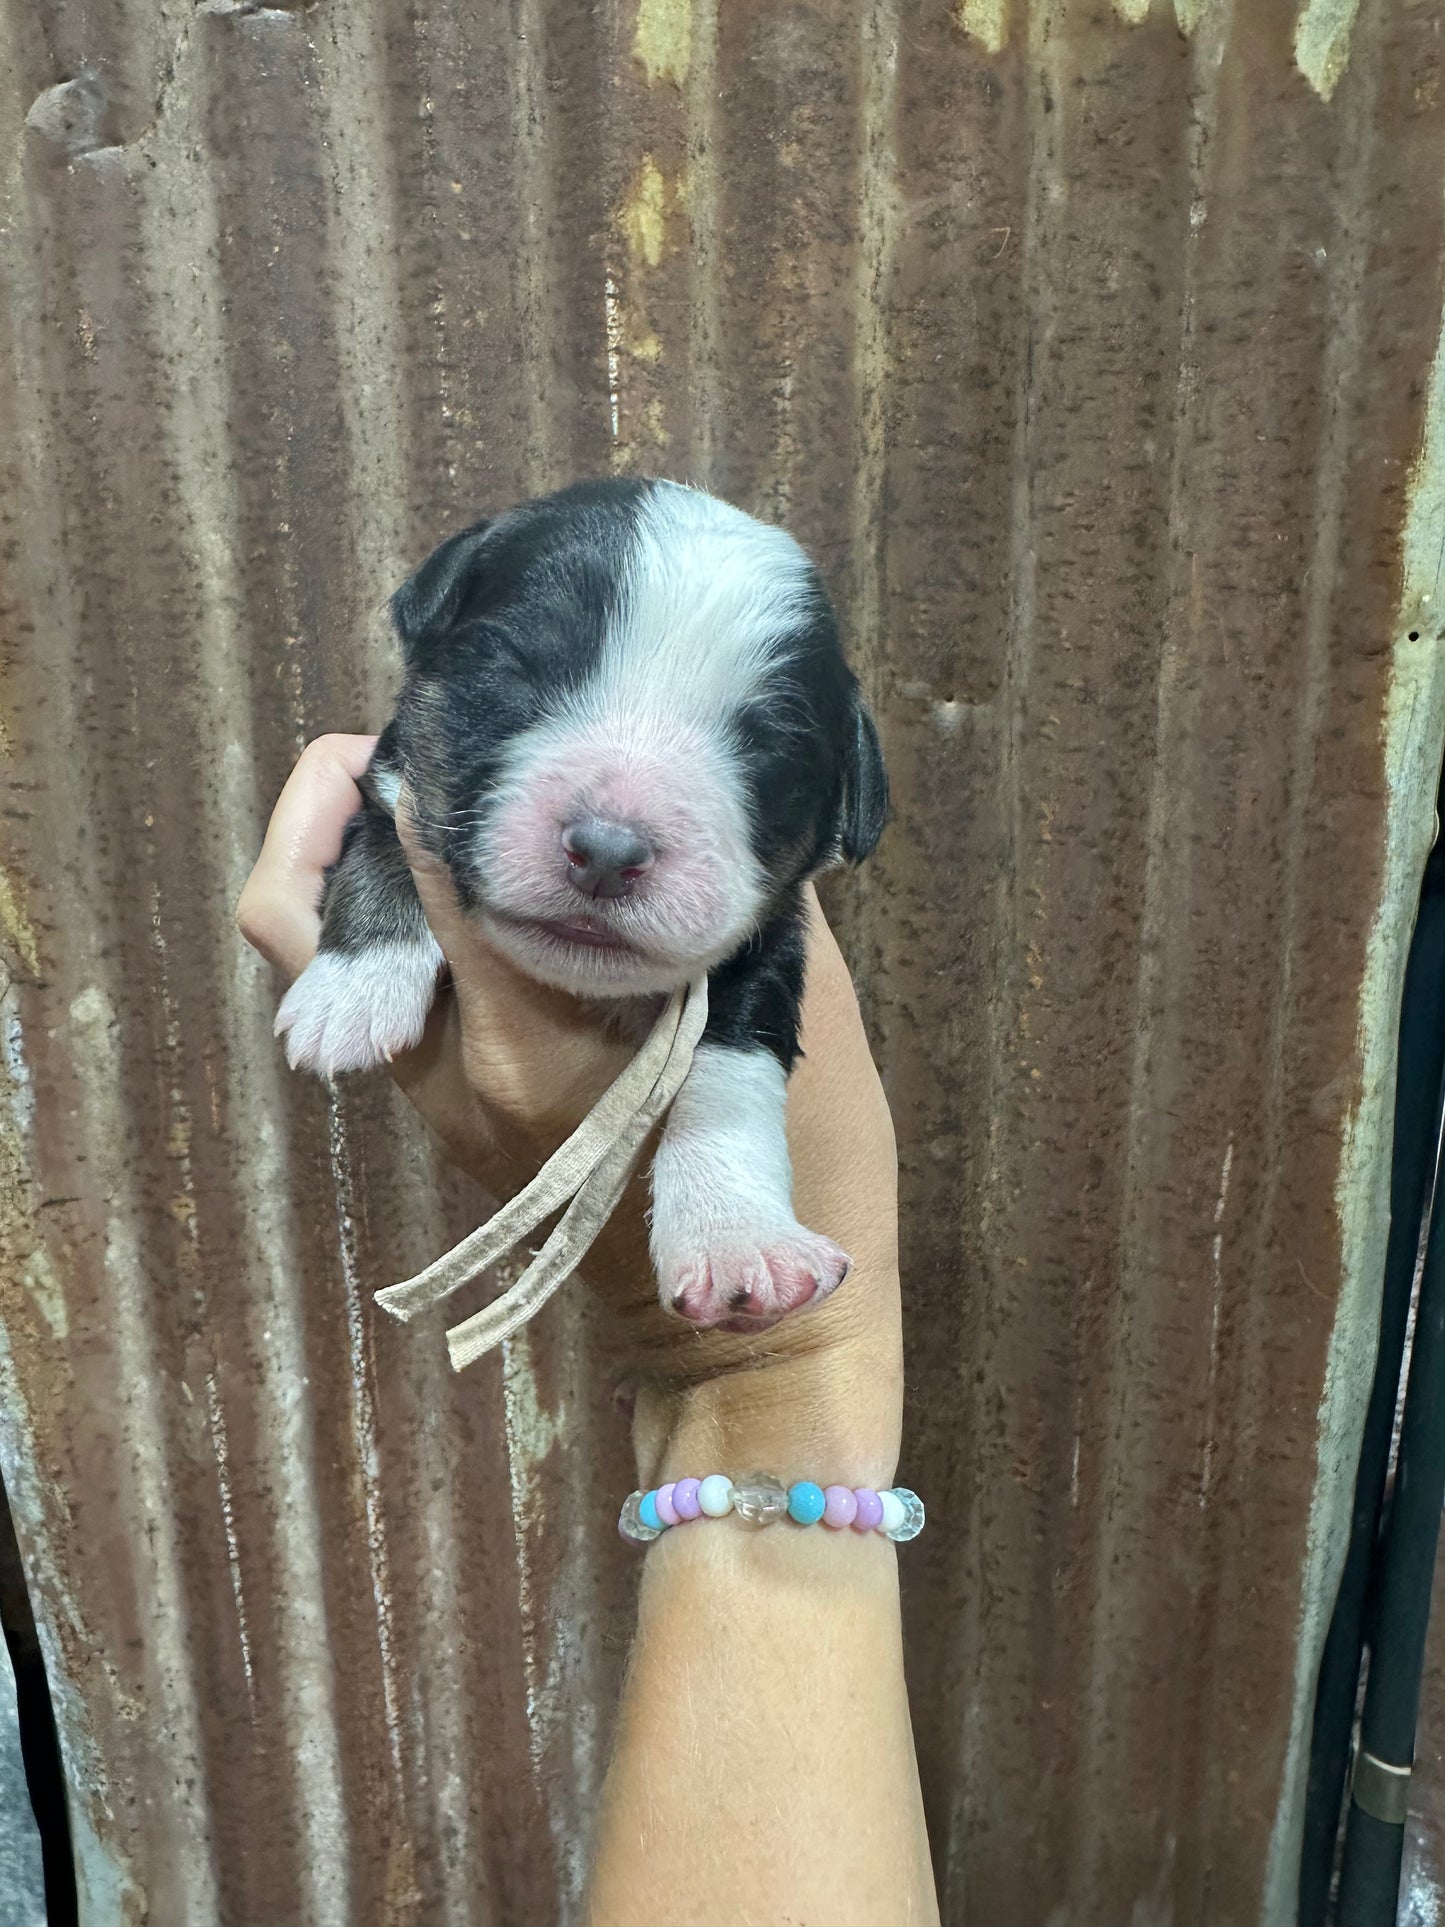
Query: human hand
{"points": [[507, 1067]]}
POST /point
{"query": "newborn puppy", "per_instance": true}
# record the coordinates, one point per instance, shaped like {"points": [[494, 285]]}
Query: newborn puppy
{"points": [[628, 730]]}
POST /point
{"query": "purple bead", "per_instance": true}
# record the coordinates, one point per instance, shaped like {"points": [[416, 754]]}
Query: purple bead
{"points": [[840, 1508], [666, 1511], [870, 1509], [684, 1498]]}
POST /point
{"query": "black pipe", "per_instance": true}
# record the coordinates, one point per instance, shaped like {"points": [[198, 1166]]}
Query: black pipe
{"points": [[1375, 1822], [1419, 1102]]}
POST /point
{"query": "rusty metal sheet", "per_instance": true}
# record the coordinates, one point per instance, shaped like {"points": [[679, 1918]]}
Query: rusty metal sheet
{"points": [[1094, 350], [22, 1882]]}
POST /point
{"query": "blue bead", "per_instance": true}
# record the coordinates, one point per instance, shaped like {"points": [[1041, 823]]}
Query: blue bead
{"points": [[806, 1502], [649, 1514]]}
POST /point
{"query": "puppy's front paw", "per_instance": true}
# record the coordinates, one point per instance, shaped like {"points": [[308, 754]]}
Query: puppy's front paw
{"points": [[353, 1010], [747, 1279]]}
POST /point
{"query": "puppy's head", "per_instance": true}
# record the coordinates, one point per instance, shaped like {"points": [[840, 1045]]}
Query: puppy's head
{"points": [[627, 728]]}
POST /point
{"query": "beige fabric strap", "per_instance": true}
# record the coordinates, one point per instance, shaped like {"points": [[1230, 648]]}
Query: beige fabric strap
{"points": [[591, 1169]]}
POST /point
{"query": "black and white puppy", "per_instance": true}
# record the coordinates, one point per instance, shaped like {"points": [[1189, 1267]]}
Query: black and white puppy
{"points": [[628, 730]]}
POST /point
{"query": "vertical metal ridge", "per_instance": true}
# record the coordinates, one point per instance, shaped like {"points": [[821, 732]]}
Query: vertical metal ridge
{"points": [[301, 1705], [862, 591]]}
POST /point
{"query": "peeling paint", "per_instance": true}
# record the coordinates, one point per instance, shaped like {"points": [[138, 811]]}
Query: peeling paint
{"points": [[16, 929], [216, 1420], [46, 1292], [612, 313], [1322, 42], [19, 1084], [985, 21], [662, 39], [1189, 14]]}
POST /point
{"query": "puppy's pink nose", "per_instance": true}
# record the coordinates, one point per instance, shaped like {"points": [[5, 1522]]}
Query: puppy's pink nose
{"points": [[605, 859]]}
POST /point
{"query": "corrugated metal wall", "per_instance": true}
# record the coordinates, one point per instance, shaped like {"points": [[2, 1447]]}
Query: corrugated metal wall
{"points": [[1093, 349]]}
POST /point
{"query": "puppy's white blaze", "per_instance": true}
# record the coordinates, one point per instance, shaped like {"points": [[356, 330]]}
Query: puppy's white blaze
{"points": [[707, 596], [354, 1011]]}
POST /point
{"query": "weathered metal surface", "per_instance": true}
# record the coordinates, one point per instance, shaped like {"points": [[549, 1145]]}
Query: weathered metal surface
{"points": [[22, 1879], [1093, 349]]}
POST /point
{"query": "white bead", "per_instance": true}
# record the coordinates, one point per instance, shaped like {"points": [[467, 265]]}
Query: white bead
{"points": [[894, 1512], [912, 1514], [715, 1496]]}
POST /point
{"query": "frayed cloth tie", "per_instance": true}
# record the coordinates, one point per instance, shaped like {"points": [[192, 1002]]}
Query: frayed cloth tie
{"points": [[591, 1170]]}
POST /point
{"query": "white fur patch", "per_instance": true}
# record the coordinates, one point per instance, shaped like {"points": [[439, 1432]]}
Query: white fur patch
{"points": [[351, 1012], [388, 787], [708, 594], [725, 1243]]}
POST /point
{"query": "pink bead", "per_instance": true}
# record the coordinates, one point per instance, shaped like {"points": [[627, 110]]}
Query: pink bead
{"points": [[683, 1498], [666, 1510], [870, 1509], [840, 1508]]}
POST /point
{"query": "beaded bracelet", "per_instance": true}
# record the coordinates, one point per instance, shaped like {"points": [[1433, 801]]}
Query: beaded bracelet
{"points": [[762, 1500]]}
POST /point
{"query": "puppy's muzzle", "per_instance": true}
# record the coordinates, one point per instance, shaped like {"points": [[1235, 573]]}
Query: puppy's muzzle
{"points": [[605, 859]]}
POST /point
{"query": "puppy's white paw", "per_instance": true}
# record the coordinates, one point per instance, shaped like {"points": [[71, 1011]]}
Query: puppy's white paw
{"points": [[350, 1011], [747, 1278]]}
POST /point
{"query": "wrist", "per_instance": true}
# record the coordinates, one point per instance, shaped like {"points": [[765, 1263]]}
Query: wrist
{"points": [[829, 1410]]}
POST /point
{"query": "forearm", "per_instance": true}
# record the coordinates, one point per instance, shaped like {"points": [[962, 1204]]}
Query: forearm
{"points": [[764, 1768]]}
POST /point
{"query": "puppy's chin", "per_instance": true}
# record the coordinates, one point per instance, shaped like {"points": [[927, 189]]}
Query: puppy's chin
{"points": [[586, 967]]}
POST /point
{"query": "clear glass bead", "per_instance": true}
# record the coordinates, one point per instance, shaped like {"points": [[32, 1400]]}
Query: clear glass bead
{"points": [[912, 1514], [630, 1524], [760, 1499]]}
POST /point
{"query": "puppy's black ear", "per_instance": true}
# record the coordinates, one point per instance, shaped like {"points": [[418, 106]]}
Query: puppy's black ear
{"points": [[865, 790], [429, 602]]}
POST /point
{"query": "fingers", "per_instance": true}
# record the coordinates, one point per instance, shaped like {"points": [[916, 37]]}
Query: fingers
{"points": [[278, 911]]}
